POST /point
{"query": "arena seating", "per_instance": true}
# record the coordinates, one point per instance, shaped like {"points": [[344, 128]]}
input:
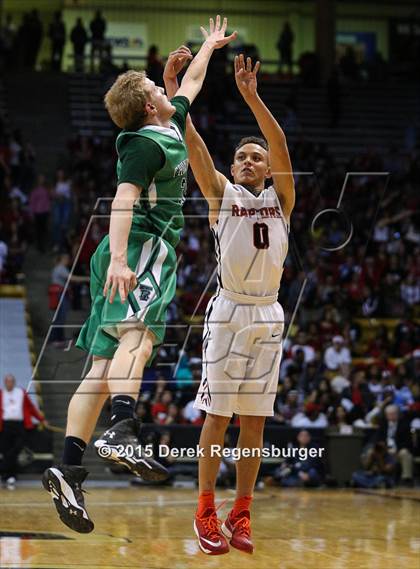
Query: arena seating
{"points": [[366, 120], [88, 115]]}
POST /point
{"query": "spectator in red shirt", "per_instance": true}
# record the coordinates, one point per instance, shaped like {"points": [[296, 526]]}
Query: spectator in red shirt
{"points": [[161, 406]]}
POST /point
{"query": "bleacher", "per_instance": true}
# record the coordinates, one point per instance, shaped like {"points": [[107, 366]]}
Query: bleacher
{"points": [[88, 114], [366, 117]]}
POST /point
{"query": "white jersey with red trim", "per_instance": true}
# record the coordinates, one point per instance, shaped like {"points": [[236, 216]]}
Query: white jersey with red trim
{"points": [[251, 239]]}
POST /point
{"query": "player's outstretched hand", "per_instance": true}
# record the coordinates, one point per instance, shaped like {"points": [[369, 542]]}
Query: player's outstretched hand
{"points": [[245, 76], [119, 278], [176, 61], [216, 37]]}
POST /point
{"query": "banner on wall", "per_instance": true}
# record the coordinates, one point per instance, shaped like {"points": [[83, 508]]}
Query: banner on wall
{"points": [[128, 40], [363, 44]]}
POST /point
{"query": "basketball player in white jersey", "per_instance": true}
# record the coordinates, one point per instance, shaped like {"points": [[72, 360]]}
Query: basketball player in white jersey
{"points": [[242, 342]]}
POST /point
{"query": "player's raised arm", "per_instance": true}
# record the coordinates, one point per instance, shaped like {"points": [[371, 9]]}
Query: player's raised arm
{"points": [[174, 65], [210, 181], [194, 77], [280, 165]]}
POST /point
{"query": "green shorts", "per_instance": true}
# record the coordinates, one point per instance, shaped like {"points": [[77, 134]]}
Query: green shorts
{"points": [[154, 261]]}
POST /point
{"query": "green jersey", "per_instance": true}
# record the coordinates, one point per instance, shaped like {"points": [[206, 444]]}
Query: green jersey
{"points": [[156, 159]]}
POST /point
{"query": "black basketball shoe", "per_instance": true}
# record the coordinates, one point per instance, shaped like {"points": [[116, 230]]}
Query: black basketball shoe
{"points": [[64, 483], [120, 444]]}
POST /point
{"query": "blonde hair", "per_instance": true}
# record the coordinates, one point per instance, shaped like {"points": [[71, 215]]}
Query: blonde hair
{"points": [[125, 101]]}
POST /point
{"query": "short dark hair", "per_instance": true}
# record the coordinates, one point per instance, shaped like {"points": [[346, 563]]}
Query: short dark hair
{"points": [[251, 140]]}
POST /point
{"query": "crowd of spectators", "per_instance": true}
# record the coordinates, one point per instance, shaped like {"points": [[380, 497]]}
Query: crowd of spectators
{"points": [[17, 176], [335, 371]]}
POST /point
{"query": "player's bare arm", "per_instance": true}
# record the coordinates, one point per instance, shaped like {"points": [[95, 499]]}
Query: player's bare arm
{"points": [[214, 39], [280, 164], [119, 276], [210, 181]]}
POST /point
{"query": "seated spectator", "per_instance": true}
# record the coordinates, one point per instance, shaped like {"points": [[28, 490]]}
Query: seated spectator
{"points": [[375, 385], [394, 431], [340, 421], [295, 363], [357, 399], [301, 344], [403, 396], [337, 357], [329, 323], [300, 469], [284, 412], [406, 337], [323, 395], [410, 290], [311, 377], [143, 412], [183, 375], [312, 418], [379, 469], [160, 408], [339, 384], [173, 415], [191, 414]]}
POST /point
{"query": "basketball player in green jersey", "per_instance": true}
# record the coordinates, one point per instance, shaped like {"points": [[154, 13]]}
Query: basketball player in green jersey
{"points": [[132, 274]]}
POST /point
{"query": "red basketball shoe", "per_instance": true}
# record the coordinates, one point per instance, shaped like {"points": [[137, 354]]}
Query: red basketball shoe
{"points": [[238, 531], [210, 538]]}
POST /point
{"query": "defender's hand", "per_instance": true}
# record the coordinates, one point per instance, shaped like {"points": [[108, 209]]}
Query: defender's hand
{"points": [[216, 38], [119, 277], [245, 76], [176, 61]]}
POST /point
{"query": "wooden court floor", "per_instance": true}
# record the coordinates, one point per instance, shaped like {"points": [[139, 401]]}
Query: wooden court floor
{"points": [[152, 528]]}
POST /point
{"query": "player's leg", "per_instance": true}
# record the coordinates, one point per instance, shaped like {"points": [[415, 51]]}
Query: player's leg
{"points": [[206, 524], [127, 366], [250, 437], [237, 526], [64, 481], [120, 443], [217, 396], [212, 433], [86, 405], [254, 403]]}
